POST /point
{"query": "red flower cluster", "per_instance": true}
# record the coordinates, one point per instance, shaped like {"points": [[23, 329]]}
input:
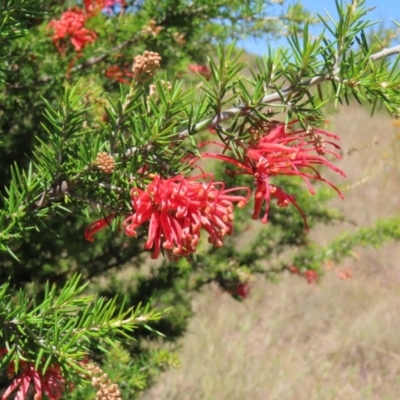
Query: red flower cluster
{"points": [[176, 210], [200, 69], [71, 24], [282, 151], [51, 383]]}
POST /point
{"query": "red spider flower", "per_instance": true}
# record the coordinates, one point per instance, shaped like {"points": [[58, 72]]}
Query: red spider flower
{"points": [[71, 24], [177, 208], [117, 73], [283, 151], [200, 69], [51, 383]]}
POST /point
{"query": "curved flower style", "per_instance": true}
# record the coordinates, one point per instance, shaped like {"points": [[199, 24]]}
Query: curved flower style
{"points": [[97, 226], [51, 383], [177, 208], [71, 24], [283, 151]]}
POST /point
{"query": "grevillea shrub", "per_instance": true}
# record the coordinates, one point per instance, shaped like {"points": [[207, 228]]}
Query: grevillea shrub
{"points": [[137, 152]]}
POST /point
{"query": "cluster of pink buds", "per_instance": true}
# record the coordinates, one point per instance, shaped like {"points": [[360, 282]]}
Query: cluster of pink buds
{"points": [[282, 150], [176, 210], [50, 383]]}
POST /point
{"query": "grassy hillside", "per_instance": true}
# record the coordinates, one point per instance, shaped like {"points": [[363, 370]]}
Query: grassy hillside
{"points": [[294, 341]]}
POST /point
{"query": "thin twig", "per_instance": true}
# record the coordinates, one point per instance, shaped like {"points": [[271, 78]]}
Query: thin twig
{"points": [[385, 53]]}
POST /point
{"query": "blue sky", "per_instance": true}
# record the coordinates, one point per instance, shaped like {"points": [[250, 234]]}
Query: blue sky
{"points": [[385, 10]]}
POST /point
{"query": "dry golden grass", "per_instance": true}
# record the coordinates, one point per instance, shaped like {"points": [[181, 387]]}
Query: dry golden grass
{"points": [[337, 340]]}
